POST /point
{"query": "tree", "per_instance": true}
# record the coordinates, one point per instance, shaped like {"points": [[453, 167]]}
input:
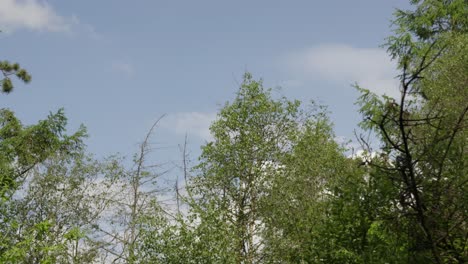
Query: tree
{"points": [[235, 200], [22, 150], [423, 134], [299, 202], [250, 135], [23, 147], [61, 194], [133, 203], [224, 219], [12, 69]]}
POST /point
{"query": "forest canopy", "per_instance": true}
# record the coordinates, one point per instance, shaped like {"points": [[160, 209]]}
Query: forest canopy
{"points": [[272, 185]]}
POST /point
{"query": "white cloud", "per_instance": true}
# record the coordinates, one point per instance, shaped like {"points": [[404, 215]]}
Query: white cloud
{"points": [[371, 68], [191, 123], [123, 68], [30, 14]]}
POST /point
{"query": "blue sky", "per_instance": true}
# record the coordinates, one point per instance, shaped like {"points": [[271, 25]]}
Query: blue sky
{"points": [[116, 65]]}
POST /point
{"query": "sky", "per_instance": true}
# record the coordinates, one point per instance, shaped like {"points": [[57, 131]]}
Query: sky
{"points": [[116, 66]]}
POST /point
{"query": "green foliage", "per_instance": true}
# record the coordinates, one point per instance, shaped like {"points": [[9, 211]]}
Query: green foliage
{"points": [[33, 241], [23, 147], [250, 134], [273, 186], [422, 166], [65, 193], [222, 226], [9, 69], [297, 204]]}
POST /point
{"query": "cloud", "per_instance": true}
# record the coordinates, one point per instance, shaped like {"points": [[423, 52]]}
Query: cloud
{"points": [[123, 68], [191, 123], [30, 14], [371, 68]]}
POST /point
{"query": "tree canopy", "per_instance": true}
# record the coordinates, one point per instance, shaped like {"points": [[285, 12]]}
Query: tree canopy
{"points": [[272, 185]]}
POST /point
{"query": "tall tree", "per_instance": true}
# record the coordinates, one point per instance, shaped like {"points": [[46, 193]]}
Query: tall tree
{"points": [[22, 150], [23, 147], [66, 194], [250, 135], [309, 213], [424, 132], [133, 202]]}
